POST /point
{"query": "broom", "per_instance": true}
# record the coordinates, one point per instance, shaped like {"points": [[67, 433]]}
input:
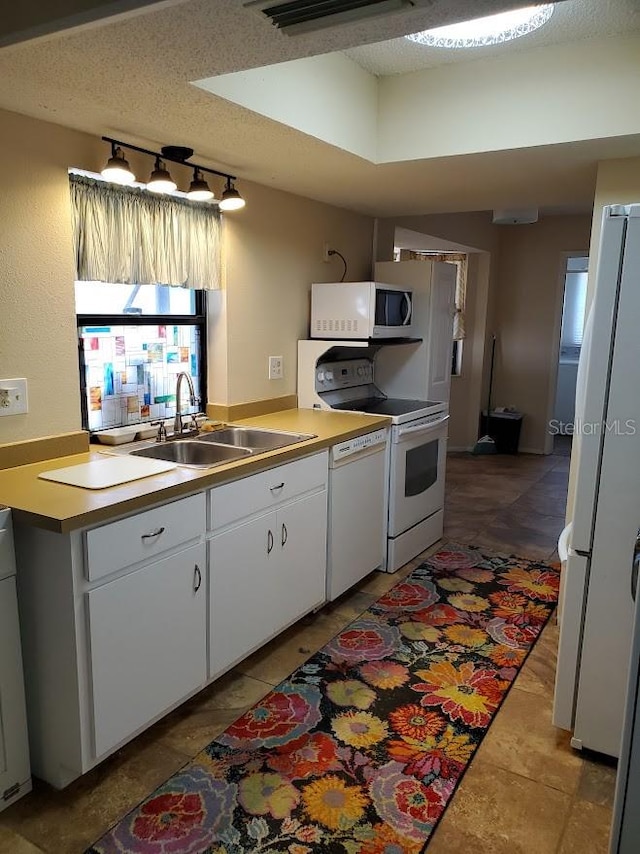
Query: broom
{"points": [[486, 445]]}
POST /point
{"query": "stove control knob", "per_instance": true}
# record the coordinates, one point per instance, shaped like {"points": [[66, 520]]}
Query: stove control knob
{"points": [[329, 376], [320, 376], [360, 371]]}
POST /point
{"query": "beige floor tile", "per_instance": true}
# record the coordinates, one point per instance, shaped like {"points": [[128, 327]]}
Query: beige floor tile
{"points": [[11, 843], [196, 723], [597, 782], [539, 671], [497, 812], [278, 659], [587, 830], [67, 822], [349, 606], [522, 739]]}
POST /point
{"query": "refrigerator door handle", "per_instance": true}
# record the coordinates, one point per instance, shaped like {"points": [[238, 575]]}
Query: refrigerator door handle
{"points": [[635, 566]]}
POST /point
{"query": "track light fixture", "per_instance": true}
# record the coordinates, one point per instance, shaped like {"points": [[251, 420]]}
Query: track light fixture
{"points": [[118, 170], [231, 198]]}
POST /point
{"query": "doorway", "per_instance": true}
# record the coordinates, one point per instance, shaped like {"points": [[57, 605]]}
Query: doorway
{"points": [[573, 318]]}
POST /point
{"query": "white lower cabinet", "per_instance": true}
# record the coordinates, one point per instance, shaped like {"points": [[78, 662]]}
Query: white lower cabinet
{"points": [[110, 646], [267, 565], [147, 644]]}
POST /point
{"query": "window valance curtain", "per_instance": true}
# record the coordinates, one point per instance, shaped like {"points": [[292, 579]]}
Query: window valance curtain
{"points": [[460, 260], [127, 235]]}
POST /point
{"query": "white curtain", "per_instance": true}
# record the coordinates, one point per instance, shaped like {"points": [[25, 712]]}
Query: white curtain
{"points": [[460, 261], [128, 236]]}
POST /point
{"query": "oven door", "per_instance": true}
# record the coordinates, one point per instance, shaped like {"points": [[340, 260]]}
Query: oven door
{"points": [[416, 479]]}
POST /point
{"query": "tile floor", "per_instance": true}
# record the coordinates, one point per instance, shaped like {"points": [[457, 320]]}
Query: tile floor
{"points": [[526, 792]]}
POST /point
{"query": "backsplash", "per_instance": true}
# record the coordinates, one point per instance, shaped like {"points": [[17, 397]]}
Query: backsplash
{"points": [[130, 372]]}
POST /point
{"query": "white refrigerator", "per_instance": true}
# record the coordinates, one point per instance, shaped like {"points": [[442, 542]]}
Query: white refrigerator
{"points": [[596, 613], [625, 830]]}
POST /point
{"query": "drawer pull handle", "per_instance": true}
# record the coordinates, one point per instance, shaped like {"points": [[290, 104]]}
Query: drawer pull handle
{"points": [[285, 534], [269, 542], [153, 534], [277, 487], [197, 579]]}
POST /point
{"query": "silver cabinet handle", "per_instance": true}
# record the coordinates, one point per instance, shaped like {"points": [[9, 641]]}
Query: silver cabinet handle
{"points": [[278, 486], [285, 534], [197, 578], [269, 542], [152, 534]]}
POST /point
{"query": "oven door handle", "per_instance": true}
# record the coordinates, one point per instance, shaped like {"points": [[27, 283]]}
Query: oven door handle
{"points": [[423, 428]]}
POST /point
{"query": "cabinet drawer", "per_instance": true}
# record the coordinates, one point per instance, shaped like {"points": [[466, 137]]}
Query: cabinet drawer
{"points": [[137, 538], [244, 498]]}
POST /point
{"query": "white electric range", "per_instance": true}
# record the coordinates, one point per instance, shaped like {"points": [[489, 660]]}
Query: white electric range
{"points": [[417, 452]]}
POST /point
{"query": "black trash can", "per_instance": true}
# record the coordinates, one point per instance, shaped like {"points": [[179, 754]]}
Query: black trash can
{"points": [[504, 429]]}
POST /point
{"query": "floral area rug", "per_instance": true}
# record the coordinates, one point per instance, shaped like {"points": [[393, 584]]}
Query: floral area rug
{"points": [[360, 749]]}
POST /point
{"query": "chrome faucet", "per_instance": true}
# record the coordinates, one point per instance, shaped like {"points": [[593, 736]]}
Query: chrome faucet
{"points": [[177, 424]]}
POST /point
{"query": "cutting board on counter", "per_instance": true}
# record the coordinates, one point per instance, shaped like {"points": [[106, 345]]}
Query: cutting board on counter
{"points": [[111, 471]]}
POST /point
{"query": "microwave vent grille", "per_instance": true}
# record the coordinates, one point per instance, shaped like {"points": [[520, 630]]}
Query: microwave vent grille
{"points": [[324, 325]]}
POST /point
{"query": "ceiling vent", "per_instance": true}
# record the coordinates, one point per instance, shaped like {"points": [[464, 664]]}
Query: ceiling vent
{"points": [[304, 16], [515, 217]]}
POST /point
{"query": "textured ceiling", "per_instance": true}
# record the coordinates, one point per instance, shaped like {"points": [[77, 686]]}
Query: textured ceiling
{"points": [[571, 21], [130, 78]]}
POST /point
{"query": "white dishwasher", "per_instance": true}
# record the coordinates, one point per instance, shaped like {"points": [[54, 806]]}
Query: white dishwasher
{"points": [[15, 774], [358, 477]]}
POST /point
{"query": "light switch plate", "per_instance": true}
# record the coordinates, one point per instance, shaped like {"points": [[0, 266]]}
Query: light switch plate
{"points": [[13, 397], [276, 369]]}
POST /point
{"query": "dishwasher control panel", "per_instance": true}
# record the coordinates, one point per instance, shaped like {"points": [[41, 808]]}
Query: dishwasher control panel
{"points": [[359, 443]]}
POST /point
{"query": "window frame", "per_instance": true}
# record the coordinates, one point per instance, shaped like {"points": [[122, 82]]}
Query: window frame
{"points": [[198, 318]]}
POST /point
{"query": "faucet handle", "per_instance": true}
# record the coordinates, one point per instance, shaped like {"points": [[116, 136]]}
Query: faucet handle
{"points": [[161, 435]]}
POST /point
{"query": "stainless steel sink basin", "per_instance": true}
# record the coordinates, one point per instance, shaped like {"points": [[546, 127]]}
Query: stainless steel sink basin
{"points": [[193, 453], [254, 438]]}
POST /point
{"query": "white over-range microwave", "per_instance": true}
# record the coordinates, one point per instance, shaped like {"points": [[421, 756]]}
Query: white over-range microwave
{"points": [[360, 310]]}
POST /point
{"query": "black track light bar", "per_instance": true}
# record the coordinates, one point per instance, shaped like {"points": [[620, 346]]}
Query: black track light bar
{"points": [[172, 153]]}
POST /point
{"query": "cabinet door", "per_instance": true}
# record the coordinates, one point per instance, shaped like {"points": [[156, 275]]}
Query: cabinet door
{"points": [[14, 752], [148, 644], [302, 568], [243, 590]]}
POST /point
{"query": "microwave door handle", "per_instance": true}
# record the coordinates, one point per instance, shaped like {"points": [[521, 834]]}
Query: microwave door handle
{"points": [[407, 318]]}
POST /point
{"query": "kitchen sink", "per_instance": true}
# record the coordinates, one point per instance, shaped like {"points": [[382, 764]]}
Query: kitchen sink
{"points": [[254, 438], [193, 453]]}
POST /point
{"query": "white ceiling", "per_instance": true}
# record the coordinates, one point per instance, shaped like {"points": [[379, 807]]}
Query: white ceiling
{"points": [[131, 78]]}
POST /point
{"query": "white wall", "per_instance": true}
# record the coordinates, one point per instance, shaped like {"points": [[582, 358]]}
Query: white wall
{"points": [[555, 94], [329, 97]]}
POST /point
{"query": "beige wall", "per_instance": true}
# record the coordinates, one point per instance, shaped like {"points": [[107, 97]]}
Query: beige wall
{"points": [[37, 315], [515, 291], [528, 302], [273, 253]]}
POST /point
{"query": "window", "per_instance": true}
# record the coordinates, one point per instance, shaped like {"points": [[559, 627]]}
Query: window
{"points": [[574, 306], [134, 340]]}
